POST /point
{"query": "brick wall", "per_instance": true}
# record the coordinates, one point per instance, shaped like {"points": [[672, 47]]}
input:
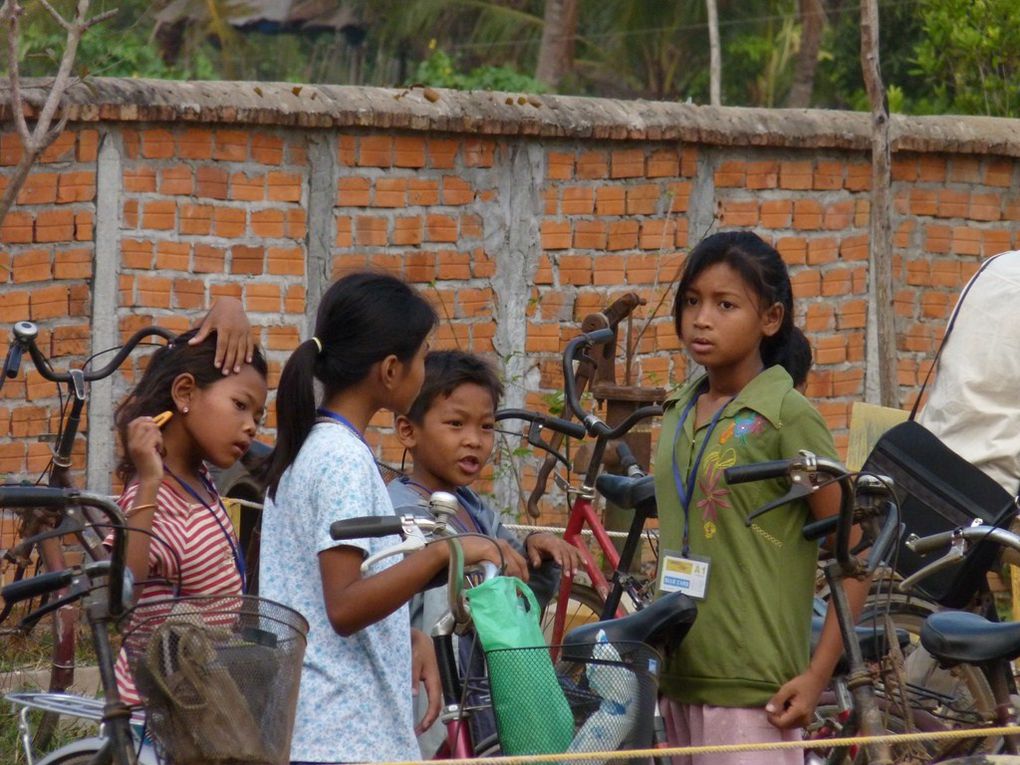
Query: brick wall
{"points": [[517, 219]]}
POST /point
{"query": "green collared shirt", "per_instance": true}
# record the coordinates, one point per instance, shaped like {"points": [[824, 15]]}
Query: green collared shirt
{"points": [[753, 627]]}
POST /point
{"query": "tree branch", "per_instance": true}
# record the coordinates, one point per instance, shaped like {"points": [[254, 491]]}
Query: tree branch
{"points": [[56, 15]]}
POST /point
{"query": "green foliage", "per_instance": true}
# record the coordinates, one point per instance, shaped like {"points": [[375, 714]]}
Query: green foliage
{"points": [[970, 55], [440, 71]]}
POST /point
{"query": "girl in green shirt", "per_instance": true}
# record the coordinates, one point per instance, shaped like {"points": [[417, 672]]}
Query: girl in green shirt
{"points": [[743, 674]]}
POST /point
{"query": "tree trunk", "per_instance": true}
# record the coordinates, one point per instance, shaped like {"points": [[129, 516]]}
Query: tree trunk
{"points": [[812, 21], [882, 317], [715, 57], [556, 51]]}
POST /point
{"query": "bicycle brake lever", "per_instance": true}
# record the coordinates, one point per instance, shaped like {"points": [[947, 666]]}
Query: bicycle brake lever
{"points": [[412, 529], [957, 552], [797, 491]]}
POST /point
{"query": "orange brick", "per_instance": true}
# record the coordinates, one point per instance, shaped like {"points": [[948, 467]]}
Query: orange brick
{"points": [[297, 223], [39, 189], [993, 242], [662, 163], [965, 169], [966, 241], [474, 302], [283, 187], [131, 213], [999, 172], [54, 226], [10, 149], [592, 165], [627, 163], [623, 235], [679, 195], [83, 223], [407, 231], [15, 306], [657, 235], [282, 338], [985, 207], [559, 166], [590, 235], [456, 191], [176, 180], [17, 228], [153, 291], [173, 256], [262, 297], [228, 222], [408, 151], [247, 188], [776, 213], [932, 168], [194, 143], [72, 264], [140, 179], [423, 191], [245, 259], [61, 149], [577, 200], [608, 270], [196, 219], [32, 266], [731, 174], [838, 216], [807, 214], [828, 176], [739, 212], [555, 235], [478, 152], [344, 231], [440, 228], [420, 266], [231, 145], [643, 199], [858, 177], [822, 251], [266, 149], [211, 182], [904, 168], [157, 144], [159, 214], [442, 152], [762, 175], [793, 249], [353, 192], [610, 200], [390, 192], [136, 254], [953, 204], [88, 146], [796, 175], [189, 293], [209, 259], [371, 231], [375, 151]]}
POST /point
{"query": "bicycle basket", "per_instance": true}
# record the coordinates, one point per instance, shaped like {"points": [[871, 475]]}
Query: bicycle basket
{"points": [[218, 675], [611, 689]]}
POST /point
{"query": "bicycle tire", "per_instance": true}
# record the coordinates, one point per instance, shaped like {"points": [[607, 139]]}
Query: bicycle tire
{"points": [[959, 695], [915, 753]]}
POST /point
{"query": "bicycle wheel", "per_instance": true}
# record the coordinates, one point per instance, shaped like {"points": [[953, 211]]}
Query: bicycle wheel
{"points": [[958, 697], [914, 753], [584, 607]]}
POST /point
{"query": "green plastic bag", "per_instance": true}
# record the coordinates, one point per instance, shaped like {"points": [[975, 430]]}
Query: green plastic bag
{"points": [[532, 714]]}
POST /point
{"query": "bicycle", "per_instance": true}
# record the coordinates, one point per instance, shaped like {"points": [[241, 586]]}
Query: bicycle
{"points": [[870, 694], [657, 627], [163, 642], [23, 557]]}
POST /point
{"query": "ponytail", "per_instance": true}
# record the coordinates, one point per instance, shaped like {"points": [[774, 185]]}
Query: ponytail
{"points": [[363, 318]]}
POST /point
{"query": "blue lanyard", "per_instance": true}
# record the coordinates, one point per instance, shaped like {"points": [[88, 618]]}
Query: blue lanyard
{"points": [[234, 548], [685, 490], [323, 412]]}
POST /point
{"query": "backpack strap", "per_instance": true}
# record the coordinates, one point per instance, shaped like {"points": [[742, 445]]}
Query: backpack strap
{"points": [[945, 337]]}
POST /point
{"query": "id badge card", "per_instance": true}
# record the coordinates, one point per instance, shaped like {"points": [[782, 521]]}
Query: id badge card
{"points": [[686, 574]]}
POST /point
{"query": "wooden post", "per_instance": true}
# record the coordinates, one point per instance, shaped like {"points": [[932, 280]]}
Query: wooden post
{"points": [[880, 230]]}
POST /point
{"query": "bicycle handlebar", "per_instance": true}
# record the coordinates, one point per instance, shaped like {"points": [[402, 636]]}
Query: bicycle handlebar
{"points": [[368, 526], [567, 428], [593, 424], [62, 498], [759, 471]]}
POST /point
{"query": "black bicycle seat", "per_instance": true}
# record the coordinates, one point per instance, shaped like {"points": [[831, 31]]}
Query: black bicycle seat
{"points": [[961, 637], [626, 492], [663, 622], [871, 640]]}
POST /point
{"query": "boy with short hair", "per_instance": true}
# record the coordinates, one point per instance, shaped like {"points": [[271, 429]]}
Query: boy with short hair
{"points": [[450, 433]]}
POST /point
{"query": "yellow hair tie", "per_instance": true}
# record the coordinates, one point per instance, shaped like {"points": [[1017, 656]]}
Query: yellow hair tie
{"points": [[318, 343]]}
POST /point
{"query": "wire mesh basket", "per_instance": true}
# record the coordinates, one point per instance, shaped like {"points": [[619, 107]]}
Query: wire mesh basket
{"points": [[218, 675], [610, 690]]}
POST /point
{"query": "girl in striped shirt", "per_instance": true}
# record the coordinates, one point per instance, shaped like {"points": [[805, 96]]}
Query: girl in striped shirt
{"points": [[184, 413]]}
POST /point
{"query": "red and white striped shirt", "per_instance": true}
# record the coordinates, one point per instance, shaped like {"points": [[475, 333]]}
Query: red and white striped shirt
{"points": [[206, 560]]}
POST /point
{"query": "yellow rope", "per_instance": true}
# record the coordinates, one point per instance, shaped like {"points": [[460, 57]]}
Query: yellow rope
{"points": [[825, 743]]}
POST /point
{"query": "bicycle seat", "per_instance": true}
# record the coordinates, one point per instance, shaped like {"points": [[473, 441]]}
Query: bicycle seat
{"points": [[871, 640], [663, 622], [626, 492], [961, 637]]}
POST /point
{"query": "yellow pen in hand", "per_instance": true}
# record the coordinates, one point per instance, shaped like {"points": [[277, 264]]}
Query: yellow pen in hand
{"points": [[162, 418]]}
